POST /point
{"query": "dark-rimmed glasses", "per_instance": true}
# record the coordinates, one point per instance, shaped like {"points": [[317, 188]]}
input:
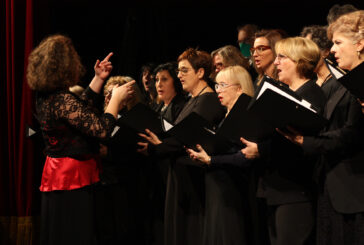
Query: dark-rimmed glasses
{"points": [[259, 49], [183, 70]]}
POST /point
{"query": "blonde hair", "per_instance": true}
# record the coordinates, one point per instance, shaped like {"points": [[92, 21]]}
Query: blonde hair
{"points": [[121, 80], [238, 75], [54, 64], [351, 25], [303, 51]]}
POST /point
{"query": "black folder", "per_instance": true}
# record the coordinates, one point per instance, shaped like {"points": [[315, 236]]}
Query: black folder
{"points": [[281, 107], [194, 130], [141, 117], [242, 123], [354, 81]]}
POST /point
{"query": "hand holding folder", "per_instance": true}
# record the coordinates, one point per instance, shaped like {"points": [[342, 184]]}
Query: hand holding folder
{"points": [[194, 130], [239, 122], [280, 107]]}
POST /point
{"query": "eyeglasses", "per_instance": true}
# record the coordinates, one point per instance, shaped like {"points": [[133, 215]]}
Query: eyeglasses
{"points": [[281, 57], [224, 85], [259, 49], [183, 70]]}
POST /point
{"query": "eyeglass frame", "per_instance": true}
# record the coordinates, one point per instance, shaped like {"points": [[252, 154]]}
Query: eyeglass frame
{"points": [[281, 57], [183, 70], [259, 49], [224, 86]]}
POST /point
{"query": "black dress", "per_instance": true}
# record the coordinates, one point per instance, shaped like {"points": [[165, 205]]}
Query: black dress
{"points": [[157, 172], [130, 199], [185, 197], [70, 127], [227, 211], [122, 194]]}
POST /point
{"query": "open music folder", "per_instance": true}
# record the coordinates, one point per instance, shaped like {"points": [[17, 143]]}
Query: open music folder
{"points": [[280, 107], [239, 123], [194, 129], [141, 117]]}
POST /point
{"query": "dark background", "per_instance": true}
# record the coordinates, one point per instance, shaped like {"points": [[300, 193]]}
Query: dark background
{"points": [[153, 31]]}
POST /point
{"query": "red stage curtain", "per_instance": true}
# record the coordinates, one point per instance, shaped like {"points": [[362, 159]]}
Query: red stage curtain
{"points": [[17, 164]]}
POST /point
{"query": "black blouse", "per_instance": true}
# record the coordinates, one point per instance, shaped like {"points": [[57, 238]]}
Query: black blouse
{"points": [[70, 124]]}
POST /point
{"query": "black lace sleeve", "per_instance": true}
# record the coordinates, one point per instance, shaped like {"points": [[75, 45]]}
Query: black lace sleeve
{"points": [[92, 98], [67, 107]]}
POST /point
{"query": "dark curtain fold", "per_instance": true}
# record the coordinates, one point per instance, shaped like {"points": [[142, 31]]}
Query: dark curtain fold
{"points": [[17, 164], [17, 153]]}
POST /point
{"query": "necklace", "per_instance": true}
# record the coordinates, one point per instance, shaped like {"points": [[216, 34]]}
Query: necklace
{"points": [[202, 90], [187, 109]]}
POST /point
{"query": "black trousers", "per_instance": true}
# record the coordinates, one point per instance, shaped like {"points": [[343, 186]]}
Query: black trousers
{"points": [[291, 224]]}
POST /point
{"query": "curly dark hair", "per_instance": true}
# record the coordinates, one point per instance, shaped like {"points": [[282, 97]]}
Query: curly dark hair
{"points": [[336, 11], [54, 64], [318, 35], [198, 59]]}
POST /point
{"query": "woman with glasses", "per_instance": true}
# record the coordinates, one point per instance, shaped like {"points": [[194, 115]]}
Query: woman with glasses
{"points": [[263, 52], [339, 171], [185, 202], [287, 180], [227, 212]]}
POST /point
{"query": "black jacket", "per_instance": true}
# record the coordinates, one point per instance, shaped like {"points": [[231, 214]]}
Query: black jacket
{"points": [[288, 172], [341, 164]]}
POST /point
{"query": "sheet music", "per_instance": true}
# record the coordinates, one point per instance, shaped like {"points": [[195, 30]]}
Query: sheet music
{"points": [[267, 85], [337, 74]]}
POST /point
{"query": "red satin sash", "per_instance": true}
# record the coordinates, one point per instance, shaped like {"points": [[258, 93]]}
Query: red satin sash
{"points": [[68, 173]]}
